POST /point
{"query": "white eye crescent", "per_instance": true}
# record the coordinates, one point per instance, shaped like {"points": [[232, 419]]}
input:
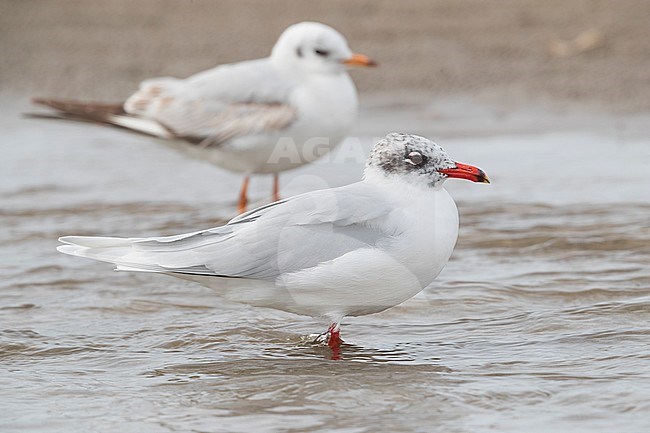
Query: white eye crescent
{"points": [[414, 158]]}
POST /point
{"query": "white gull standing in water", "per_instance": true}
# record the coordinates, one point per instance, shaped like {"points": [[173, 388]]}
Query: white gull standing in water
{"points": [[348, 251], [259, 116]]}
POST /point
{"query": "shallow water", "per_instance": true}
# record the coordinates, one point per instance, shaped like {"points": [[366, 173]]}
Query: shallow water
{"points": [[540, 322]]}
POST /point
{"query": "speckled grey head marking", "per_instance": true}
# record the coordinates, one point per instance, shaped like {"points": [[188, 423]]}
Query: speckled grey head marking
{"points": [[411, 157]]}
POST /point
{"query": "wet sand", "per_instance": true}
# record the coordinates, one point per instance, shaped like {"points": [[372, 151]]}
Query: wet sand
{"points": [[497, 50]]}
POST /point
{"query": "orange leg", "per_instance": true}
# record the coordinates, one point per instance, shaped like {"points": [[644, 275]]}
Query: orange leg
{"points": [[276, 187], [243, 196]]}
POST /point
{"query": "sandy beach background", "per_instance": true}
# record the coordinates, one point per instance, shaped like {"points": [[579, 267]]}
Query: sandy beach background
{"points": [[585, 51]]}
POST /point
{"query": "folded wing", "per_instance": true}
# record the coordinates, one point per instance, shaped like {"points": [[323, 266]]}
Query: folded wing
{"points": [[206, 109], [217, 105], [288, 236]]}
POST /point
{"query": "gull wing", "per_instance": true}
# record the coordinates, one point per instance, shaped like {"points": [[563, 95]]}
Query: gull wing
{"points": [[207, 109], [217, 105], [288, 236]]}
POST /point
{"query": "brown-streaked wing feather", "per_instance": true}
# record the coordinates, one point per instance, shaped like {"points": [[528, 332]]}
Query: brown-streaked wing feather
{"points": [[237, 120], [89, 111], [196, 126], [102, 113]]}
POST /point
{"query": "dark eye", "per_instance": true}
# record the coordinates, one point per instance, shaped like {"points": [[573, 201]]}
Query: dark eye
{"points": [[415, 158], [322, 53]]}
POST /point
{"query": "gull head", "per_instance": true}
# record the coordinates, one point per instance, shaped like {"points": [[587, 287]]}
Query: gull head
{"points": [[311, 47], [417, 161]]}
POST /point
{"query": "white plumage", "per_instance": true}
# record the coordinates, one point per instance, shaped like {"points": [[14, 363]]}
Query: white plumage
{"points": [[238, 112], [353, 250], [257, 116]]}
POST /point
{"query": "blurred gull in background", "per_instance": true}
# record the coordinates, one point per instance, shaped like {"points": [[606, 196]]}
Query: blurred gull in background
{"points": [[258, 116]]}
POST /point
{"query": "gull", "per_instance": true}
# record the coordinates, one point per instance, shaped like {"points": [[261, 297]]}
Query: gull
{"points": [[260, 116], [348, 251]]}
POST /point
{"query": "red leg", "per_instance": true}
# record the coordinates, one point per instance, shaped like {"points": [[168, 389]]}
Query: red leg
{"points": [[334, 341], [243, 196], [276, 187]]}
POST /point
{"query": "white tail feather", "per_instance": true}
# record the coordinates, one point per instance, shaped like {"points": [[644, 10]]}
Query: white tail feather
{"points": [[96, 242], [118, 251], [146, 126]]}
